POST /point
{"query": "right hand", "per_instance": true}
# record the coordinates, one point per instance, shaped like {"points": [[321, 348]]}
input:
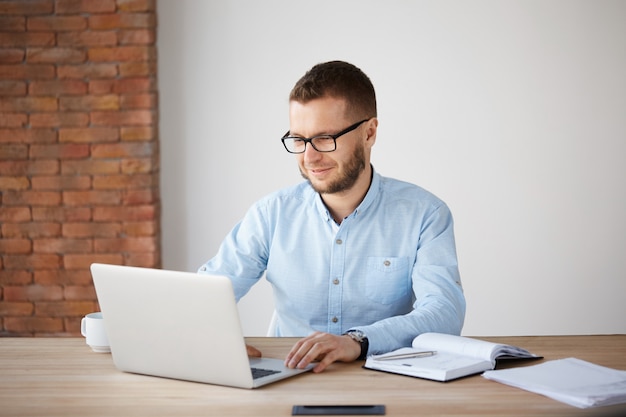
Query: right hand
{"points": [[253, 352]]}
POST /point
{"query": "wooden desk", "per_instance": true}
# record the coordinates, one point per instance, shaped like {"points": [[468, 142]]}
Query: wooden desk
{"points": [[63, 377]]}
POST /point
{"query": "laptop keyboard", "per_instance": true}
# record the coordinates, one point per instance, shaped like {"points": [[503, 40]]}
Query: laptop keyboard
{"points": [[260, 372]]}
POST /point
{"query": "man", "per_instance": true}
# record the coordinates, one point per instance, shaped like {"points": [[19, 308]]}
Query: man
{"points": [[359, 263]]}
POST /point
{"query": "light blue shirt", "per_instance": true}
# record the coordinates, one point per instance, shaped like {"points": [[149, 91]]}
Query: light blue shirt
{"points": [[389, 269]]}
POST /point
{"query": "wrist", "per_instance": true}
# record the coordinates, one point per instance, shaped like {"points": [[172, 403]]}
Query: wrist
{"points": [[359, 337]]}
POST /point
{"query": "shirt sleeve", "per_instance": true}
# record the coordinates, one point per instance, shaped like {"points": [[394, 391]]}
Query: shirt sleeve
{"points": [[243, 253], [439, 304]]}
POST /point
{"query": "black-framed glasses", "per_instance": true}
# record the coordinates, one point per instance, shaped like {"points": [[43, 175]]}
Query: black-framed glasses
{"points": [[321, 143]]}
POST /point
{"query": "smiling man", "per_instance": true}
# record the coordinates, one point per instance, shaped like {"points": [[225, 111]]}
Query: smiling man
{"points": [[359, 263]]}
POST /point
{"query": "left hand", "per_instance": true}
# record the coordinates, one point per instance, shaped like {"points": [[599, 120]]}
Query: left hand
{"points": [[324, 347]]}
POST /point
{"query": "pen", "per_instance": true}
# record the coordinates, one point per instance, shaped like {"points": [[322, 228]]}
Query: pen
{"points": [[405, 355]]}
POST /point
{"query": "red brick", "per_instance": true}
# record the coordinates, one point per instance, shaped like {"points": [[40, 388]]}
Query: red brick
{"points": [[12, 88], [133, 213], [122, 150], [138, 133], [34, 261], [13, 120], [91, 229], [84, 261], [15, 214], [13, 24], [136, 229], [79, 293], [59, 151], [27, 135], [27, 326], [89, 134], [11, 56], [16, 308], [117, 182], [14, 183], [95, 38], [65, 119], [15, 277], [84, 6], [33, 292], [63, 277], [73, 182], [31, 198], [62, 245], [31, 230], [145, 260], [100, 87], [90, 70], [57, 87], [137, 166], [62, 308], [135, 85], [13, 151], [128, 244], [56, 23], [90, 102], [138, 101], [137, 69], [40, 167], [26, 39], [90, 197], [122, 54], [55, 55], [15, 246], [31, 72], [28, 104], [140, 196], [61, 214], [122, 21], [136, 5], [20, 7], [22, 325], [90, 167], [136, 37], [124, 118]]}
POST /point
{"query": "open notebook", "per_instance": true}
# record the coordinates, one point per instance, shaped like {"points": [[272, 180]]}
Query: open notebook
{"points": [[178, 325]]}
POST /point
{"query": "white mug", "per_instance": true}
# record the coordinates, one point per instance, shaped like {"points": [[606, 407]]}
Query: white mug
{"points": [[92, 327]]}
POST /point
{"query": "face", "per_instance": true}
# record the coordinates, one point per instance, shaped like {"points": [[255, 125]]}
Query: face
{"points": [[337, 171]]}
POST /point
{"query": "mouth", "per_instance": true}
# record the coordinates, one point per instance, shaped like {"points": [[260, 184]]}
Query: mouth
{"points": [[319, 171]]}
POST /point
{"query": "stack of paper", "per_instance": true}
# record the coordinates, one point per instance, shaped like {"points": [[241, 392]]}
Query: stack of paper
{"points": [[572, 381]]}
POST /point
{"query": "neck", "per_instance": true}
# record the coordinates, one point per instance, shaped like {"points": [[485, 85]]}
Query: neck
{"points": [[342, 204]]}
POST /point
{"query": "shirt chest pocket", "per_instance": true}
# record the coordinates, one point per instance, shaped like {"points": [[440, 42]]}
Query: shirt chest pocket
{"points": [[387, 279]]}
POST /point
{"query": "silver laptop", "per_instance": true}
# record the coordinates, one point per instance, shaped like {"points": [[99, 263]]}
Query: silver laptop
{"points": [[179, 325]]}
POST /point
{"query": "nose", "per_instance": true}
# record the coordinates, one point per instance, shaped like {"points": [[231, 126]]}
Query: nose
{"points": [[310, 154]]}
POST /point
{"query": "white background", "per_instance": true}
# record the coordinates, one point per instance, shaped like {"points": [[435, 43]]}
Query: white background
{"points": [[513, 112]]}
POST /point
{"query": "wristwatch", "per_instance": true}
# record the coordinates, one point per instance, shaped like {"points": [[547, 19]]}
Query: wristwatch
{"points": [[361, 338]]}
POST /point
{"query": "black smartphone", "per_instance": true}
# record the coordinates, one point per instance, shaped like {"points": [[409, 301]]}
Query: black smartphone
{"points": [[338, 410]]}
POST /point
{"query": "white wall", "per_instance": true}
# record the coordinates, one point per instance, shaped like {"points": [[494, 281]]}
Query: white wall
{"points": [[513, 112]]}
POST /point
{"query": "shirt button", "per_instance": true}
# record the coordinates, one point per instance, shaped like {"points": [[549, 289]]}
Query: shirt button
{"points": [[336, 281], [338, 241], [387, 262], [334, 319]]}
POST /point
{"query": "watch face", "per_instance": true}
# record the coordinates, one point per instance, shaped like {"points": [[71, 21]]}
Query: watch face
{"points": [[357, 335]]}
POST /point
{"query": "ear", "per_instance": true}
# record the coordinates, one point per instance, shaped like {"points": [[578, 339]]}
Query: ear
{"points": [[370, 129]]}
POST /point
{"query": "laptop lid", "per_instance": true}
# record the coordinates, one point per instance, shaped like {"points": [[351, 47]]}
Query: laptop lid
{"points": [[177, 325]]}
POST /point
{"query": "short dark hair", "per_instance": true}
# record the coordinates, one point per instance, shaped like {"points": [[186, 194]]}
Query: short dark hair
{"points": [[337, 79]]}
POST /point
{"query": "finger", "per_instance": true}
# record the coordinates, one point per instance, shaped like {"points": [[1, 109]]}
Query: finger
{"points": [[254, 352], [298, 350], [304, 351]]}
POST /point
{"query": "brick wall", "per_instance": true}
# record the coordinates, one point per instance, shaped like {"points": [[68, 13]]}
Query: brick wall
{"points": [[79, 156]]}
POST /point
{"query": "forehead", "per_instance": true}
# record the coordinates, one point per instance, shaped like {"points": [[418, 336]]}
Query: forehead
{"points": [[318, 116]]}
